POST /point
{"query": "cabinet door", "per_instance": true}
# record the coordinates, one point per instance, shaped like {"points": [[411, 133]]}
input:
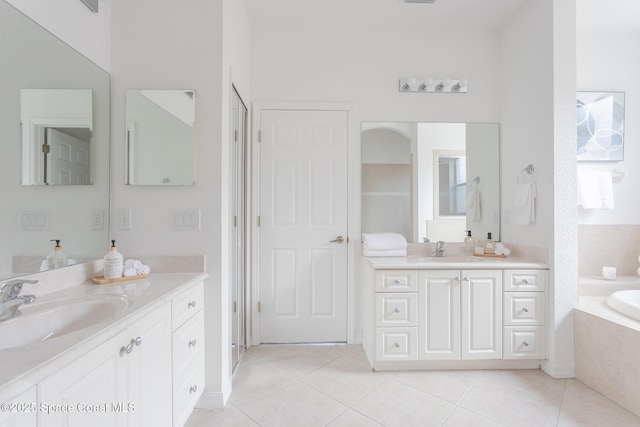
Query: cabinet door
{"points": [[149, 369], [21, 411], [97, 378], [439, 315], [481, 328]]}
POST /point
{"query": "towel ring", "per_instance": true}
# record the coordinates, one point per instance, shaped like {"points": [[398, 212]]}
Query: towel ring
{"points": [[530, 169]]}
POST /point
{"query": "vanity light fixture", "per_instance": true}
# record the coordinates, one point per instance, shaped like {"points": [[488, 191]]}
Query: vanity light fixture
{"points": [[413, 84]]}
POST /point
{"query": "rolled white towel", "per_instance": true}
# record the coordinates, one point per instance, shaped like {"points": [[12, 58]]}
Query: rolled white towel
{"points": [[132, 263], [128, 272], [499, 249], [143, 269]]}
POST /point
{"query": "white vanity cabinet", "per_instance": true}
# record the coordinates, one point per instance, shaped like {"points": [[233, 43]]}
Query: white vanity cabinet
{"points": [[524, 314], [460, 314], [428, 317], [188, 352], [21, 411], [124, 381]]}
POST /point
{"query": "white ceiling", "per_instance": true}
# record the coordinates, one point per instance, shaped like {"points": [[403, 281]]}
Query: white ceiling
{"points": [[622, 15]]}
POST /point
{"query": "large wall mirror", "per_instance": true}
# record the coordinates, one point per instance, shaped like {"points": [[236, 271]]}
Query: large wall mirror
{"points": [[160, 137], [431, 181], [38, 67]]}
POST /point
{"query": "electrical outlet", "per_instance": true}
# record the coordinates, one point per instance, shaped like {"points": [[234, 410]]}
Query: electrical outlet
{"points": [[97, 219], [124, 219]]}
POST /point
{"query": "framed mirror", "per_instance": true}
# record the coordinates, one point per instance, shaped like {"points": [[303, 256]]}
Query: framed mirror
{"points": [[37, 63], [160, 137], [57, 127], [431, 180]]}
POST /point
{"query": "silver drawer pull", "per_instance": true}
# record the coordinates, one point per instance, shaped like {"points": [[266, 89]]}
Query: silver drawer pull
{"points": [[193, 389], [192, 343], [466, 279], [396, 345], [192, 304], [397, 281], [525, 343], [525, 282], [137, 341], [396, 310], [525, 310]]}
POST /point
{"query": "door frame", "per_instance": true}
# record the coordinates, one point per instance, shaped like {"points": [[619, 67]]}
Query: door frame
{"points": [[353, 211]]}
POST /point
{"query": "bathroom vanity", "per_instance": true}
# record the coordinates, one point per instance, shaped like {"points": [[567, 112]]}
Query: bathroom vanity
{"points": [[460, 312], [142, 365]]}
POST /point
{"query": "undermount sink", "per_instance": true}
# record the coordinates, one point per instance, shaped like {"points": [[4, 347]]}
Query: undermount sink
{"points": [[457, 259], [46, 320]]}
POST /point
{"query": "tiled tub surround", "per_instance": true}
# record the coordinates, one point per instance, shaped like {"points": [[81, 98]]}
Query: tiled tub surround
{"points": [[608, 245], [607, 343], [24, 367]]}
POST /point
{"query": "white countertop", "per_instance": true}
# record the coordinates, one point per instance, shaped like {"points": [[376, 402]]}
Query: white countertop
{"points": [[455, 262], [25, 366]]}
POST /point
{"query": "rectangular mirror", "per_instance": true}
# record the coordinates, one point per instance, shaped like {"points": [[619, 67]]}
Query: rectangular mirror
{"points": [[57, 127], [431, 180], [160, 137]]}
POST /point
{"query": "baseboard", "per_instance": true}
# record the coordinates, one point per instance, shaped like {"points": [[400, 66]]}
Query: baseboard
{"points": [[214, 399], [559, 371]]}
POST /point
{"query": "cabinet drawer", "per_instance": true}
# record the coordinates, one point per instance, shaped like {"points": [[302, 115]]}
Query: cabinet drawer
{"points": [[524, 308], [396, 344], [186, 305], [397, 309], [188, 344], [186, 392], [524, 342], [525, 280], [396, 280]]}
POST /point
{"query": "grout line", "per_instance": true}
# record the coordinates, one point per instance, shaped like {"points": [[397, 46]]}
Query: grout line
{"points": [[564, 396], [470, 387]]}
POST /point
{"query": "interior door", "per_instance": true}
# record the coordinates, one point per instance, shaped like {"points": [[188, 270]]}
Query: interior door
{"points": [[303, 227], [69, 159]]}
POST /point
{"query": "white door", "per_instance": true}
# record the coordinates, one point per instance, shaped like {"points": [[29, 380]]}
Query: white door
{"points": [[439, 321], [481, 314], [303, 231], [69, 159]]}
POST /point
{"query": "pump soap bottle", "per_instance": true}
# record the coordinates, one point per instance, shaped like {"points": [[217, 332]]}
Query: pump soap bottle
{"points": [[489, 245], [113, 263], [57, 258], [468, 238]]}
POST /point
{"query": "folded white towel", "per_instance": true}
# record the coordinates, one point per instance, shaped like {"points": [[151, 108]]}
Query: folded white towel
{"points": [[474, 210], [524, 205], [130, 271], [595, 189], [383, 241], [132, 263], [394, 252], [143, 269]]}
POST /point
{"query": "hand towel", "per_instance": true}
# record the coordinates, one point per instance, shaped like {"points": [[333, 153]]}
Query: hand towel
{"points": [[394, 252], [383, 241], [128, 272], [143, 269], [132, 263], [474, 211], [595, 189], [524, 204]]}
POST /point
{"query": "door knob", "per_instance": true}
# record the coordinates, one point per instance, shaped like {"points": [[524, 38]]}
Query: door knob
{"points": [[338, 239]]}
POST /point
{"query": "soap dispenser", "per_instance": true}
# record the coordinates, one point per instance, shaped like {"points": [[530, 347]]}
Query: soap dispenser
{"points": [[468, 238], [489, 245], [57, 258], [113, 263]]}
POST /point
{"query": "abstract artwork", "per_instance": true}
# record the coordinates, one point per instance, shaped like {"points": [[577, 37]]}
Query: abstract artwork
{"points": [[600, 130]]}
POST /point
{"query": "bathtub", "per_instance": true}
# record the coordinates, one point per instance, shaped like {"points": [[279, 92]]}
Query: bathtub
{"points": [[626, 302]]}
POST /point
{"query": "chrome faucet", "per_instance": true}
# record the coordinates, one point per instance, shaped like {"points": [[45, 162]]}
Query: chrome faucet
{"points": [[439, 252], [10, 298]]}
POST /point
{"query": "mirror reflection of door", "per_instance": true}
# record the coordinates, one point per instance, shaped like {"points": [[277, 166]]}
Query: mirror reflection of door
{"points": [[239, 228], [68, 156]]}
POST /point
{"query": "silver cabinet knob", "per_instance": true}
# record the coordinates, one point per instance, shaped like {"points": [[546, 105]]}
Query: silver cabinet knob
{"points": [[397, 281], [525, 282], [192, 304], [525, 343], [466, 279], [396, 310], [193, 389], [396, 345], [192, 343], [137, 341], [525, 310]]}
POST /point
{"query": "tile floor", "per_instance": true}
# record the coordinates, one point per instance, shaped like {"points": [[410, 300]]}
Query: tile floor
{"points": [[333, 385]]}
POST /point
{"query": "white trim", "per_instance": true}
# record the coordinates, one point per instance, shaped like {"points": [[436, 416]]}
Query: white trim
{"points": [[353, 211], [559, 371]]}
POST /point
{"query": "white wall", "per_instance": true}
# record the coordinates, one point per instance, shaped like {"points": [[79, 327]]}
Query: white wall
{"points": [[167, 45], [87, 32], [606, 62], [538, 127]]}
